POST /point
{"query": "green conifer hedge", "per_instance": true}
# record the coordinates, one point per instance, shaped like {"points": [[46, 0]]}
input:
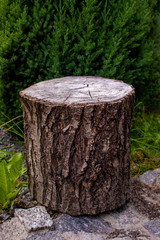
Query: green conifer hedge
{"points": [[41, 40]]}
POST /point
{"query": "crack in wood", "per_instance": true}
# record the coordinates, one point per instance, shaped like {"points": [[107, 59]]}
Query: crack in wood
{"points": [[90, 94], [67, 98], [78, 88]]}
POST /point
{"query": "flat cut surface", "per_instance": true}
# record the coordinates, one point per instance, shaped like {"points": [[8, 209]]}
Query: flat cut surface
{"points": [[78, 90]]}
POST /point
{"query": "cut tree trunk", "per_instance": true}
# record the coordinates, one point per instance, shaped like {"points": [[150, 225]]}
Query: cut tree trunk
{"points": [[77, 133]]}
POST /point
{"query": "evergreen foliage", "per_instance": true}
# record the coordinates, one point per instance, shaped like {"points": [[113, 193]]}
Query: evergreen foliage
{"points": [[41, 40]]}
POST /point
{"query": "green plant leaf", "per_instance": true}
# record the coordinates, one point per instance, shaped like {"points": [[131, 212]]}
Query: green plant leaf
{"points": [[5, 183], [2, 156], [15, 166], [23, 171], [10, 198], [6, 152], [22, 184], [10, 171]]}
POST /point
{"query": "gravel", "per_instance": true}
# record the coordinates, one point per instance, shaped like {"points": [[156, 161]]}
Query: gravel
{"points": [[8, 142]]}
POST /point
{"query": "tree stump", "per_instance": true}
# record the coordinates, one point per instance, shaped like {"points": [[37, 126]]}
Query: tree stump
{"points": [[77, 133]]}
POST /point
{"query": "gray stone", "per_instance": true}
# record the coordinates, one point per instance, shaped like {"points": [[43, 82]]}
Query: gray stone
{"points": [[68, 235], [149, 177], [46, 236], [128, 224], [66, 223], [157, 170], [130, 234], [157, 183], [153, 226], [13, 230], [34, 218], [4, 216], [125, 217], [123, 238]]}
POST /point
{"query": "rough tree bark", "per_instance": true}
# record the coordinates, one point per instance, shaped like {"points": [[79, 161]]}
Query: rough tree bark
{"points": [[78, 143]]}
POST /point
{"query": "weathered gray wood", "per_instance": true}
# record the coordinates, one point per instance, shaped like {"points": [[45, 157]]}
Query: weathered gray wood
{"points": [[78, 143], [78, 90]]}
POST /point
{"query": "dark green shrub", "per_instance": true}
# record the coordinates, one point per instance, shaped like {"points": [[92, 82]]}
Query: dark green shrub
{"points": [[42, 40]]}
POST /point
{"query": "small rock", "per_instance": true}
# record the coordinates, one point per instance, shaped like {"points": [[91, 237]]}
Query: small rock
{"points": [[157, 170], [153, 226], [123, 238], [77, 228], [35, 218], [4, 216], [13, 229], [23, 191], [69, 236], [46, 236], [157, 183], [67, 223], [149, 177], [125, 217]]}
